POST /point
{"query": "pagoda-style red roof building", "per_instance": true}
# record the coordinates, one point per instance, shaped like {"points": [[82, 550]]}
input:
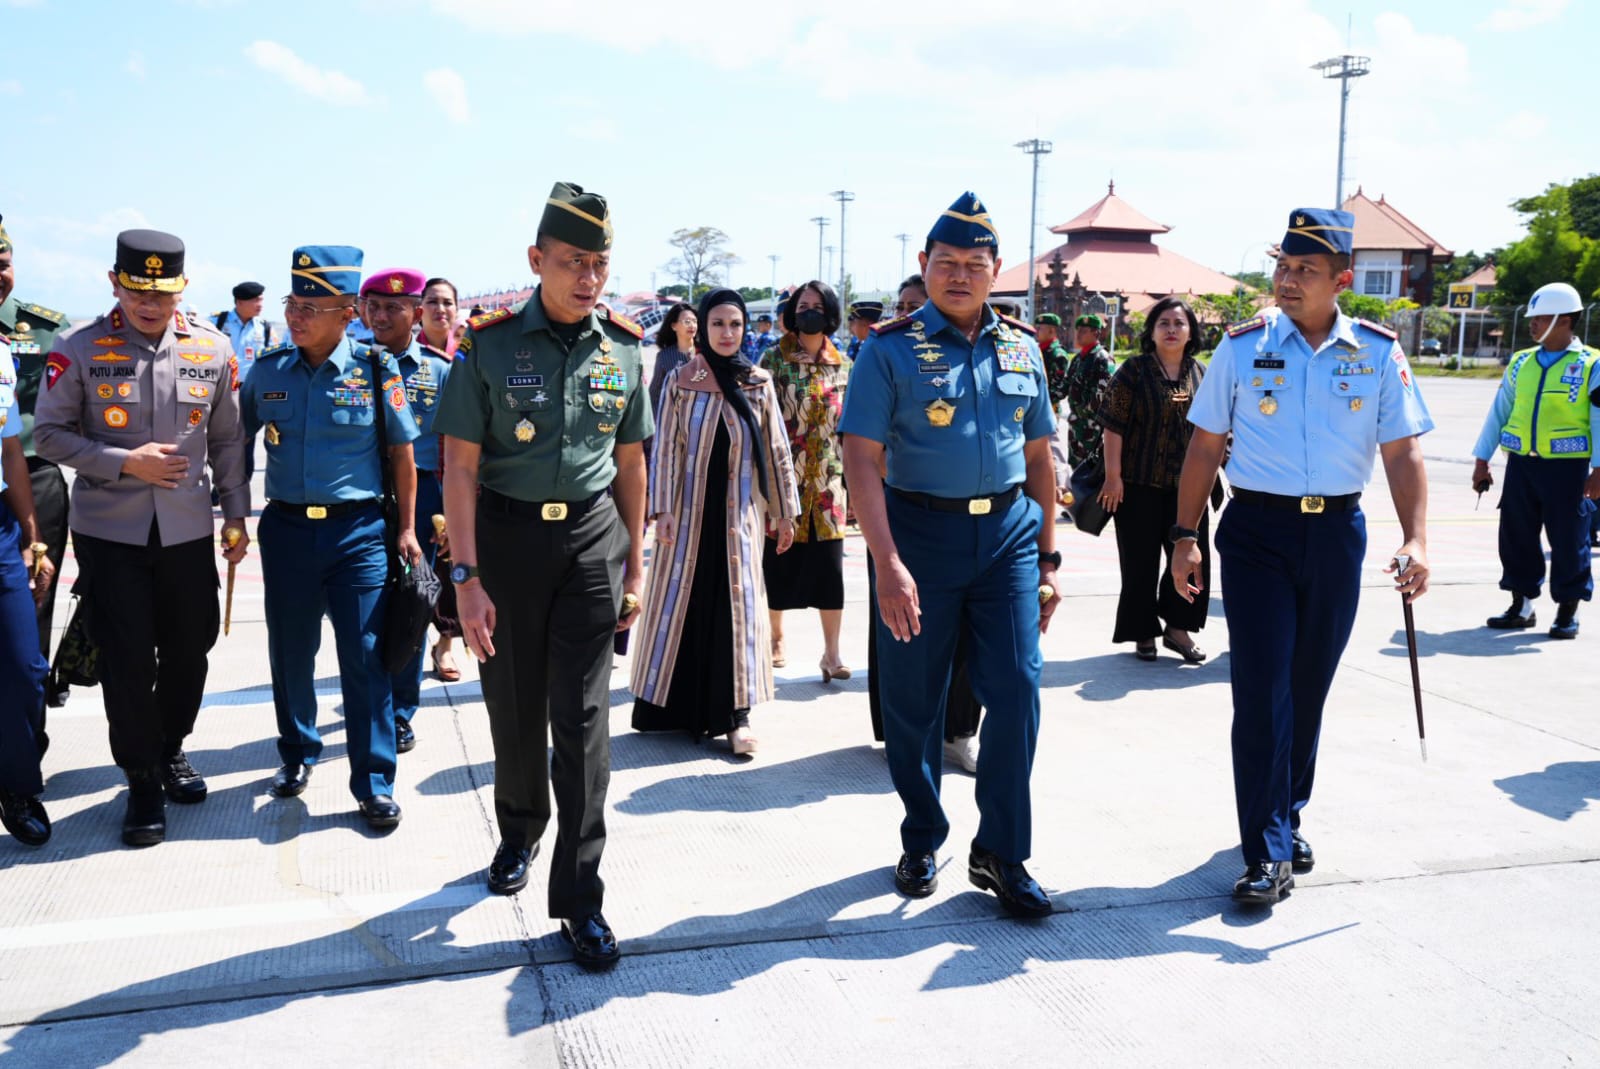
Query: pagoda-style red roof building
{"points": [[1394, 257], [1111, 250]]}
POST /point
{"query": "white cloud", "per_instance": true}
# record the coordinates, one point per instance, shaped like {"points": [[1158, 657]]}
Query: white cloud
{"points": [[100, 228], [1524, 14], [135, 65], [332, 86], [449, 91]]}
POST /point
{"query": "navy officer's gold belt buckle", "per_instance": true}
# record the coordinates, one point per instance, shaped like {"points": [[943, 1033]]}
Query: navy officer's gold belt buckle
{"points": [[316, 512], [554, 510], [1313, 505], [980, 506]]}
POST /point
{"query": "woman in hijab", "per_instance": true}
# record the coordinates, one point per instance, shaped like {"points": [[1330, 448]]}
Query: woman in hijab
{"points": [[720, 470]]}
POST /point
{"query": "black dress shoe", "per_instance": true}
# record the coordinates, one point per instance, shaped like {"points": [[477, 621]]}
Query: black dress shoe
{"points": [[1018, 892], [1511, 619], [1145, 651], [405, 740], [1191, 653], [1264, 882], [181, 782], [917, 875], [508, 872], [380, 811], [25, 818], [594, 947], [1304, 859], [291, 780], [1566, 625], [55, 699], [145, 822]]}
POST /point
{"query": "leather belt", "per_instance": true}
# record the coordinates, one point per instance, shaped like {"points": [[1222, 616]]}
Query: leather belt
{"points": [[322, 512], [1311, 505], [549, 511], [971, 506]]}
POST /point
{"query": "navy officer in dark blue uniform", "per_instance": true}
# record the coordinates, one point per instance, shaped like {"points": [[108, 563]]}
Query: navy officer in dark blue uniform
{"points": [[323, 546], [392, 306], [1309, 396], [951, 402]]}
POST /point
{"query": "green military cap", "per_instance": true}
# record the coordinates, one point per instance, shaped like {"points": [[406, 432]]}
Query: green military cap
{"points": [[5, 239], [1047, 319], [576, 217], [1090, 320]]}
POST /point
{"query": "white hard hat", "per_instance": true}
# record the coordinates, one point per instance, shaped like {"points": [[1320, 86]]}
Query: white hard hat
{"points": [[1554, 299]]}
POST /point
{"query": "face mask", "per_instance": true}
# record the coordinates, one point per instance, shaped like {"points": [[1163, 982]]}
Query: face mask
{"points": [[810, 321]]}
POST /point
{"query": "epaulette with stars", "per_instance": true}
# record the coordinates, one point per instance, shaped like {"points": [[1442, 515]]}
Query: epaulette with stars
{"points": [[1247, 327], [625, 323], [892, 325], [1026, 328], [277, 350], [45, 313], [488, 319], [1378, 329]]}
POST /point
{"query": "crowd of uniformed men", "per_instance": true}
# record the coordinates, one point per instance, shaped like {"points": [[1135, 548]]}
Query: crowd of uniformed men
{"points": [[529, 440]]}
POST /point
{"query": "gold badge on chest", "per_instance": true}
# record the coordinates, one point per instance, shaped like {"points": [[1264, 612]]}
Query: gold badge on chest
{"points": [[273, 437], [1268, 405], [523, 430], [941, 413]]}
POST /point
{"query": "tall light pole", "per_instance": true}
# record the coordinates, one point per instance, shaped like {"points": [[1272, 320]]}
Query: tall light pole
{"points": [[821, 221], [902, 239], [1035, 148], [1343, 68], [830, 263], [774, 257], [843, 196]]}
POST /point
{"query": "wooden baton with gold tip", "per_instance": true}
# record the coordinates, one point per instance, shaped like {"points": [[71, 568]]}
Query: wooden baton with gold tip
{"points": [[230, 538]]}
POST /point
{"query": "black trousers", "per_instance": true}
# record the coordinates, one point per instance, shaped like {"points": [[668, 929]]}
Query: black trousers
{"points": [[50, 501], [153, 612], [962, 709], [557, 591], [1144, 555]]}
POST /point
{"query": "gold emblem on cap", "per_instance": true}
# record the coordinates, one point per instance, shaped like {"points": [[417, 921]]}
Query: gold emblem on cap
{"points": [[1268, 405], [523, 430], [396, 284], [941, 412], [1299, 220], [154, 264], [304, 261]]}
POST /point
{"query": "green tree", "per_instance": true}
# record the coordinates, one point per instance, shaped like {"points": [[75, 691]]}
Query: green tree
{"points": [[1437, 323], [1552, 251], [1464, 264], [1224, 307], [755, 293], [703, 257], [1257, 280], [1360, 306], [1584, 201]]}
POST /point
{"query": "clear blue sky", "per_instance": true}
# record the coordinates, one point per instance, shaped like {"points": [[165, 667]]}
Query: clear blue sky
{"points": [[429, 131]]}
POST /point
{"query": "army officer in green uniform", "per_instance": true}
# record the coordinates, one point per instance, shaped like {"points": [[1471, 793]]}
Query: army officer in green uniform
{"points": [[546, 410], [32, 329]]}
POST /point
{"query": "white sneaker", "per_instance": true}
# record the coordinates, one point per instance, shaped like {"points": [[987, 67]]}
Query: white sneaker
{"points": [[963, 753]]}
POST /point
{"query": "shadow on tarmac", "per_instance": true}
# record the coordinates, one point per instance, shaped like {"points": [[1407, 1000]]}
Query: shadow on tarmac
{"points": [[1560, 792], [1469, 642], [1111, 676], [988, 949]]}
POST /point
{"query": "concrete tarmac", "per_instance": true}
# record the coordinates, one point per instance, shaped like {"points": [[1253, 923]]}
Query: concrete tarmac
{"points": [[1444, 923]]}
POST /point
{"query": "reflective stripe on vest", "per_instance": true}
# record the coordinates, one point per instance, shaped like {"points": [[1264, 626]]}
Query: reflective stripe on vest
{"points": [[1550, 409]]}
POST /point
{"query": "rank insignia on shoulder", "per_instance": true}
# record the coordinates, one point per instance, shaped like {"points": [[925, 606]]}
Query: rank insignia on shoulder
{"points": [[1017, 324], [497, 316], [1247, 326], [278, 350], [891, 325], [1377, 328], [627, 324], [45, 313]]}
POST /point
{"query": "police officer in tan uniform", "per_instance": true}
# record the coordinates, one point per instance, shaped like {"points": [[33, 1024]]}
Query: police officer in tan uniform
{"points": [[138, 401]]}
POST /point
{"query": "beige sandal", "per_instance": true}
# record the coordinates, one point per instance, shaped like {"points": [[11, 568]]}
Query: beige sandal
{"points": [[744, 744]]}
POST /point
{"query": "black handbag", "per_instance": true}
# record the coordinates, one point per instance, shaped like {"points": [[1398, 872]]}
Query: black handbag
{"points": [[77, 660], [413, 589], [1088, 479]]}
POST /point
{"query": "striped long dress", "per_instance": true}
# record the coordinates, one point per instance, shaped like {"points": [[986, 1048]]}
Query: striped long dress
{"points": [[686, 429]]}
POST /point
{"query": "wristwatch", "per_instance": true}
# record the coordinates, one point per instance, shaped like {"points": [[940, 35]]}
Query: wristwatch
{"points": [[1178, 533], [1053, 559], [460, 573]]}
